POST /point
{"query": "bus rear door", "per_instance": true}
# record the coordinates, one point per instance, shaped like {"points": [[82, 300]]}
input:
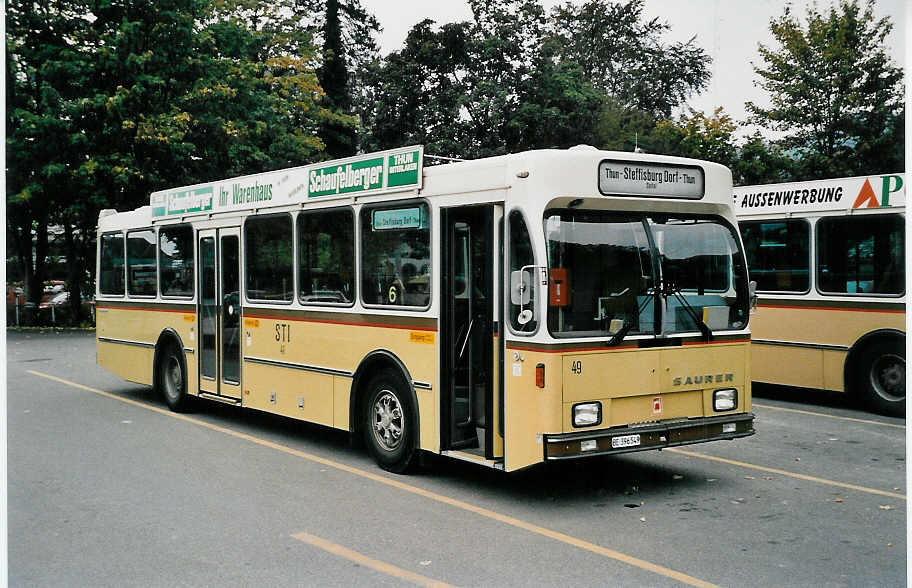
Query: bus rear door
{"points": [[219, 344]]}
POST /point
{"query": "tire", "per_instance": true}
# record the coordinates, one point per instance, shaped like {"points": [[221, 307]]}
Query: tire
{"points": [[880, 378], [389, 423], [172, 379]]}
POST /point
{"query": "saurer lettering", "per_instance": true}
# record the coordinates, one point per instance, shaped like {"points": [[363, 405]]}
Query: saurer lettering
{"points": [[702, 379]]}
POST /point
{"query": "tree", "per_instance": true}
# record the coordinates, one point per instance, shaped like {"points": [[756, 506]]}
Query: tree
{"points": [[345, 33], [109, 102], [481, 88], [416, 94], [42, 144], [833, 90], [556, 106], [620, 128], [694, 134], [623, 56], [760, 161]]}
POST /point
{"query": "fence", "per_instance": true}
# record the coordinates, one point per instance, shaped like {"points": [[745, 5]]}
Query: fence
{"points": [[21, 313]]}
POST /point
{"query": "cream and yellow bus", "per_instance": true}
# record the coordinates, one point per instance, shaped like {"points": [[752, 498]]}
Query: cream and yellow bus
{"points": [[507, 311], [828, 258]]}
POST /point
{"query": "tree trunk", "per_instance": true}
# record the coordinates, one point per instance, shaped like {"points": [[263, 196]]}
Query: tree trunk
{"points": [[40, 273], [22, 236], [74, 274]]}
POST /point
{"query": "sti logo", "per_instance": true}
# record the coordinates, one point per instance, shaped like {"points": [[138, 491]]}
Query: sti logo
{"points": [[868, 199]]}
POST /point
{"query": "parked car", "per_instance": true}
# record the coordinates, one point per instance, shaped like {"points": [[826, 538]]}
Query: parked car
{"points": [[62, 298], [14, 295]]}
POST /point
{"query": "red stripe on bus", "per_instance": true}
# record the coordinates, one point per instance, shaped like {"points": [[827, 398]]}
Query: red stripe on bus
{"points": [[845, 309], [148, 308], [722, 342], [603, 348], [349, 323], [571, 349]]}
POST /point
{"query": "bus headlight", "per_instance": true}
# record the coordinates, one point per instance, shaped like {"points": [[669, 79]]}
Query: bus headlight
{"points": [[725, 400], [587, 414]]}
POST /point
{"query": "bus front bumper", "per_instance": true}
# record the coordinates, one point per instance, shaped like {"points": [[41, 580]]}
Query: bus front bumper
{"points": [[629, 438]]}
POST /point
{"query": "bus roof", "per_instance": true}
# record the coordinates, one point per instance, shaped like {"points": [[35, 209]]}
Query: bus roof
{"points": [[580, 171], [837, 194]]}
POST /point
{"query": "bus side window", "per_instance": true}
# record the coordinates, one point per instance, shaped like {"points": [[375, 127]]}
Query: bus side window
{"points": [[111, 280], [269, 255], [861, 255], [326, 254], [175, 261], [396, 256], [141, 263], [778, 254]]}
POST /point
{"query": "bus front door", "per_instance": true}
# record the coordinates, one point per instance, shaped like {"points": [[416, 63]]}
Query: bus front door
{"points": [[219, 314], [468, 336]]}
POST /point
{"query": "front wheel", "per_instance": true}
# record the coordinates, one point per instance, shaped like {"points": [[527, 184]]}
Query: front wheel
{"points": [[881, 378], [172, 380], [389, 423]]}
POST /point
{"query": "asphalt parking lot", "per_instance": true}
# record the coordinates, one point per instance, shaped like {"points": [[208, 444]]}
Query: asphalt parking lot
{"points": [[108, 488]]}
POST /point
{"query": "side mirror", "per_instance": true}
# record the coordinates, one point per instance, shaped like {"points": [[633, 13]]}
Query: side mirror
{"points": [[752, 293], [520, 287]]}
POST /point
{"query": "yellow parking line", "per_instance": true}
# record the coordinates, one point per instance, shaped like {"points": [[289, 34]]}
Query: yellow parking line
{"points": [[369, 562], [505, 519], [829, 416], [744, 464]]}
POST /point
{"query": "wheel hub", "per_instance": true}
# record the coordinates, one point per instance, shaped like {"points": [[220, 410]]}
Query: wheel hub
{"points": [[388, 421], [888, 377], [173, 378]]}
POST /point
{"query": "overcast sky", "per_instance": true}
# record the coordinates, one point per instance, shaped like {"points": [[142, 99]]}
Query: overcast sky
{"points": [[729, 31]]}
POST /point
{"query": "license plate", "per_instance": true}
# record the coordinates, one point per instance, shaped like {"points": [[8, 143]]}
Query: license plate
{"points": [[625, 441]]}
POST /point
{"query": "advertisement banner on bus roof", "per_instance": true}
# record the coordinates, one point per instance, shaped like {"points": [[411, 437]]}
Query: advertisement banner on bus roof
{"points": [[838, 194], [395, 170]]}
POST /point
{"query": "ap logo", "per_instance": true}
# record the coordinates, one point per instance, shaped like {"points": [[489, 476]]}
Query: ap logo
{"points": [[867, 198]]}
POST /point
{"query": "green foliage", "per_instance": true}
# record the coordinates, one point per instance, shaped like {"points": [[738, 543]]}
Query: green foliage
{"points": [[515, 78], [556, 107], [697, 136], [416, 94], [834, 91], [480, 88], [761, 162], [624, 57], [620, 128], [345, 34], [110, 101], [694, 135]]}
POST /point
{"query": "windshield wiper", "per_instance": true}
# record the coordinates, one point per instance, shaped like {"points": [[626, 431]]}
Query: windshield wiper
{"points": [[619, 336], [673, 290], [622, 332]]}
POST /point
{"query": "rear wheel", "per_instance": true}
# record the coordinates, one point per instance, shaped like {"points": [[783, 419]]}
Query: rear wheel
{"points": [[172, 380], [881, 378], [389, 423]]}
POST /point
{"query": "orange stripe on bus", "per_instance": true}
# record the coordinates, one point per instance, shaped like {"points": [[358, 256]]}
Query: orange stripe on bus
{"points": [[844, 309], [722, 342], [570, 350], [621, 347], [145, 308], [349, 323]]}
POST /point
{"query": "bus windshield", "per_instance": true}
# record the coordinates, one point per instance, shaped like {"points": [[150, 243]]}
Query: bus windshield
{"points": [[643, 274]]}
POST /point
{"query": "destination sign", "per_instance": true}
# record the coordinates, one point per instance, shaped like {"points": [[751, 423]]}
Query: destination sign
{"points": [[638, 178], [395, 170], [400, 218]]}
